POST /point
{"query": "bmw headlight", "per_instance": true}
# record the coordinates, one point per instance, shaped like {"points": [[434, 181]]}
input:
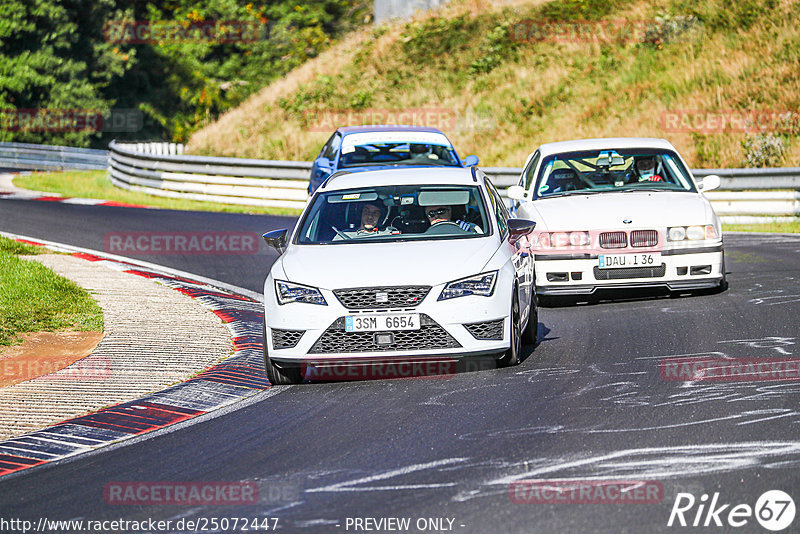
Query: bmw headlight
{"points": [[288, 292], [691, 233], [480, 284]]}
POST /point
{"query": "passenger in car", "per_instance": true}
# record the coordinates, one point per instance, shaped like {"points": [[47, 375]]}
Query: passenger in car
{"points": [[444, 214]]}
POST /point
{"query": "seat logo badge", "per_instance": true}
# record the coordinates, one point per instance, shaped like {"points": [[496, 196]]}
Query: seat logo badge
{"points": [[381, 297], [627, 221]]}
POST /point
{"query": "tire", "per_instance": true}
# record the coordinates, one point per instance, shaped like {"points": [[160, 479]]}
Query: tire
{"points": [[530, 336], [511, 356], [280, 376], [723, 284]]}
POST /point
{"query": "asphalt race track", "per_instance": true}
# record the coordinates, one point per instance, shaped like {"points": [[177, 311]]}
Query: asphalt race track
{"points": [[88, 227], [592, 401]]}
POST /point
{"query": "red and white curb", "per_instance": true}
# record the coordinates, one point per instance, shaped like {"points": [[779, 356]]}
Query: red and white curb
{"points": [[238, 377], [69, 200]]}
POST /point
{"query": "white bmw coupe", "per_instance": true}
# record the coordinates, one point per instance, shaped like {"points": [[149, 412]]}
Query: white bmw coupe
{"points": [[618, 213], [398, 265]]}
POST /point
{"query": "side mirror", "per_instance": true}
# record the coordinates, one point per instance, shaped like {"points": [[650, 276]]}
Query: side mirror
{"points": [[470, 161], [516, 192], [323, 163], [710, 182], [517, 228], [276, 239]]}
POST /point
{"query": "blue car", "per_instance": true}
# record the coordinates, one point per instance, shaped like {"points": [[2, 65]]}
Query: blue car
{"points": [[368, 148]]}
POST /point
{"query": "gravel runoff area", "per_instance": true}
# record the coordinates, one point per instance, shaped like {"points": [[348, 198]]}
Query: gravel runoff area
{"points": [[154, 337]]}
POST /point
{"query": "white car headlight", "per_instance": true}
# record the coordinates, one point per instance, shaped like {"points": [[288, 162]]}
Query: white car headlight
{"points": [[677, 233], [562, 239], [480, 284], [692, 233], [288, 292]]}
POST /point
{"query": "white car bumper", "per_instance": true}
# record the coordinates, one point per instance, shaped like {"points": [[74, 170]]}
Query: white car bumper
{"points": [[308, 333], [680, 270]]}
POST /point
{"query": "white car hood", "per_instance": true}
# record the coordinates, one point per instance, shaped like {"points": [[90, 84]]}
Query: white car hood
{"points": [[608, 210], [405, 263]]}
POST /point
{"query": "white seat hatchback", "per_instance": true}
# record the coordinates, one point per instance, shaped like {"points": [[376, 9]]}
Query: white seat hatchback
{"points": [[398, 265]]}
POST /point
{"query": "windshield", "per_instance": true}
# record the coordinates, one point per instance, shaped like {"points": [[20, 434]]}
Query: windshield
{"points": [[611, 170], [398, 153], [395, 213]]}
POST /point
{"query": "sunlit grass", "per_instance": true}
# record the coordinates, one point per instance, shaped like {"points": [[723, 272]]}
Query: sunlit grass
{"points": [[33, 298], [777, 227]]}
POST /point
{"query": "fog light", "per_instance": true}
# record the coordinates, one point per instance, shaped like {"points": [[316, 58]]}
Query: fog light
{"points": [[701, 269]]}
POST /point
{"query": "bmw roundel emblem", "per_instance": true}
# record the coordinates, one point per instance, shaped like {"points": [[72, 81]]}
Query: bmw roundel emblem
{"points": [[627, 221]]}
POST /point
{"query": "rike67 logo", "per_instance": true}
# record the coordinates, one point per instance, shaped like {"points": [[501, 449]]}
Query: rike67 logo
{"points": [[774, 510]]}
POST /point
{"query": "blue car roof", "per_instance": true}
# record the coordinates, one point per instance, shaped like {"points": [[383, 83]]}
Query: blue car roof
{"points": [[347, 130]]}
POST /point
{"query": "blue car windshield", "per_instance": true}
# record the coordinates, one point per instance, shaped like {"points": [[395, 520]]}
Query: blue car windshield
{"points": [[398, 153], [395, 213], [603, 171]]}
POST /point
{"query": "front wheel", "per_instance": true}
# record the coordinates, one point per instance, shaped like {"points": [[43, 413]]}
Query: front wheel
{"points": [[512, 355], [723, 284], [280, 376]]}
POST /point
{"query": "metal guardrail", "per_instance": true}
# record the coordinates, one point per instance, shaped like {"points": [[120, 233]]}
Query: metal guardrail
{"points": [[50, 158], [163, 169], [732, 179]]}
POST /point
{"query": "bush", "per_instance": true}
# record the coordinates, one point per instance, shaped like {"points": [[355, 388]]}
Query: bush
{"points": [[763, 150], [671, 28], [496, 48]]}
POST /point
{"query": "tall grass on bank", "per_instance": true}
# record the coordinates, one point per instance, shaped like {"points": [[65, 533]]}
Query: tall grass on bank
{"points": [[617, 69]]}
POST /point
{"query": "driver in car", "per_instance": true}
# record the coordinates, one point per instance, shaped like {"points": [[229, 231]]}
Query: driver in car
{"points": [[443, 214], [371, 215], [646, 170]]}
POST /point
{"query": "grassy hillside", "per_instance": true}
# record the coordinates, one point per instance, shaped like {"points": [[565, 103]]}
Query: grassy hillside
{"points": [[581, 68]]}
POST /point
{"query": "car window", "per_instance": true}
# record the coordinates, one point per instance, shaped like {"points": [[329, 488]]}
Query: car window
{"points": [[398, 153], [395, 213], [527, 176], [326, 147], [499, 209], [603, 171], [333, 148]]}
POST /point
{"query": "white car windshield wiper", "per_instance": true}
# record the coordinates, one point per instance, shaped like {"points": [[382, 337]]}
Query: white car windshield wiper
{"points": [[575, 192]]}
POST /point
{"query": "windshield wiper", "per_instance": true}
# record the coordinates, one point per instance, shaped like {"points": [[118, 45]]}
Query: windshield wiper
{"points": [[581, 192]]}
